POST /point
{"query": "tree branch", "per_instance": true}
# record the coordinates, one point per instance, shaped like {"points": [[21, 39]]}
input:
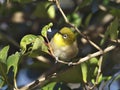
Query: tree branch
{"points": [[45, 77], [72, 25]]}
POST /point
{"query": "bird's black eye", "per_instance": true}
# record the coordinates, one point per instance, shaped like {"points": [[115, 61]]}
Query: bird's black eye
{"points": [[65, 36]]}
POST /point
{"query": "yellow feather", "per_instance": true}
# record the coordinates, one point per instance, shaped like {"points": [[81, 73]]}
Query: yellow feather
{"points": [[61, 41]]}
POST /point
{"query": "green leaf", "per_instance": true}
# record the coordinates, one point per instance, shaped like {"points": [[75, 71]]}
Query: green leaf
{"points": [[84, 69], [3, 75], [56, 86], [45, 29], [100, 78], [106, 2], [12, 61], [93, 68], [95, 71], [3, 69], [112, 31], [115, 12], [84, 3], [44, 10], [3, 54], [93, 61], [93, 81], [39, 42], [33, 45], [51, 10], [1, 81], [69, 75], [39, 47], [87, 20], [49, 86], [3, 66], [75, 18], [26, 41]]}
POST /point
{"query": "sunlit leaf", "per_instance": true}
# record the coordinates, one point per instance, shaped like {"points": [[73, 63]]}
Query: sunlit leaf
{"points": [[34, 45], [93, 68], [39, 47], [84, 69], [3, 54], [39, 42], [27, 42], [93, 61], [3, 66], [51, 10], [95, 71], [75, 18], [49, 86], [100, 78], [45, 29], [12, 61], [44, 10]]}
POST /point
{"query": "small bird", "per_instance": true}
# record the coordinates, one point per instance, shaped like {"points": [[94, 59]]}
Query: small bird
{"points": [[64, 44]]}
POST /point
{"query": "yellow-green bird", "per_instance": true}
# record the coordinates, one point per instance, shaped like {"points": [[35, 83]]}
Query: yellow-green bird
{"points": [[64, 44]]}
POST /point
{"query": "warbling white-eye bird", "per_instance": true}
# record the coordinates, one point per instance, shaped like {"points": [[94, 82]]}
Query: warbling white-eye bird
{"points": [[64, 44]]}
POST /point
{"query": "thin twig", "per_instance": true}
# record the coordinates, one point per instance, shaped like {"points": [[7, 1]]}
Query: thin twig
{"points": [[42, 79], [60, 9], [15, 85], [86, 58], [72, 25], [115, 41], [49, 46], [98, 53]]}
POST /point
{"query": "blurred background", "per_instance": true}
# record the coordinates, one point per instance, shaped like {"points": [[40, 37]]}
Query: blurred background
{"points": [[21, 17]]}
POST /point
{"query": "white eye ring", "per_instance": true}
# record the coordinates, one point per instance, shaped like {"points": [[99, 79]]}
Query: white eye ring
{"points": [[65, 36]]}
